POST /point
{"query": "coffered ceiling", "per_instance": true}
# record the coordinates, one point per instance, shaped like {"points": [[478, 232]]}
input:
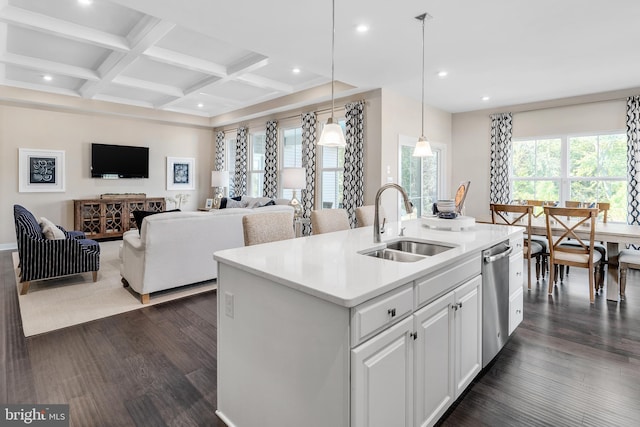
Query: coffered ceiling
{"points": [[211, 57]]}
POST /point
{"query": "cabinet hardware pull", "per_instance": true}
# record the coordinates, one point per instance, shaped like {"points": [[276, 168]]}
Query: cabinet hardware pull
{"points": [[459, 305], [392, 312], [454, 307], [414, 335]]}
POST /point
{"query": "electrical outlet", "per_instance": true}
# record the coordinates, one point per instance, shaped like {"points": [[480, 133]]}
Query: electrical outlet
{"points": [[228, 304]]}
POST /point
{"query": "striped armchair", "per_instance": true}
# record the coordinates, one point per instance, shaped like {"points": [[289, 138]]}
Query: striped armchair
{"points": [[41, 258]]}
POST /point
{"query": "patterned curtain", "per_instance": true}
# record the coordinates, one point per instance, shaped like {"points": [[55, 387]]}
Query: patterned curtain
{"points": [[499, 187], [219, 161], [271, 160], [309, 135], [240, 177], [633, 159], [353, 193]]}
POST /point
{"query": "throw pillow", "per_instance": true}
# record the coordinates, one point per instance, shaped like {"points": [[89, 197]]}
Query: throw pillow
{"points": [[255, 202], [232, 203], [138, 216], [50, 230], [269, 203], [223, 202]]}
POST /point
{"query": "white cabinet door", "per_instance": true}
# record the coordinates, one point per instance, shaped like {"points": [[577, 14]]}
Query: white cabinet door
{"points": [[516, 303], [468, 333], [382, 379], [434, 390]]}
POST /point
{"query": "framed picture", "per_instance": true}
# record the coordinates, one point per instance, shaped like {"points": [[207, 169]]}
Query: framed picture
{"points": [[209, 204], [181, 173], [40, 170]]}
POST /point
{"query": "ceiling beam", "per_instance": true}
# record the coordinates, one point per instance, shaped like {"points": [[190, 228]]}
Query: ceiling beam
{"points": [[178, 59], [57, 27], [148, 32], [48, 67], [147, 85]]}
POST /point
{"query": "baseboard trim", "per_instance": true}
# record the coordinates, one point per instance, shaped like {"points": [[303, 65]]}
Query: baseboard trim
{"points": [[224, 419], [8, 246]]}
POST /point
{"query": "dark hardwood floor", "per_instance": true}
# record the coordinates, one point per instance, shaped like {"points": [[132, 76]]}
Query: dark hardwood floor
{"points": [[568, 364]]}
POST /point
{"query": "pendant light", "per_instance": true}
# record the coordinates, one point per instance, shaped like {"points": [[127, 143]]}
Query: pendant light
{"points": [[423, 148], [332, 135]]}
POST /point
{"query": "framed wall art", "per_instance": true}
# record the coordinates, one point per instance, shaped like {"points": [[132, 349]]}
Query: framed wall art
{"points": [[181, 173], [40, 170]]}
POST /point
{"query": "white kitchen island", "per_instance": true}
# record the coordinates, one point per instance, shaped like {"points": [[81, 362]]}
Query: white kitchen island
{"points": [[311, 332]]}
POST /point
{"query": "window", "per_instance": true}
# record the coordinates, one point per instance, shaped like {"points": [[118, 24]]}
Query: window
{"points": [[537, 169], [257, 150], [584, 168], [291, 153], [422, 177], [332, 174]]}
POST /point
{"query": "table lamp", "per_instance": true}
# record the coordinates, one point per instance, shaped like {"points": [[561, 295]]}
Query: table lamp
{"points": [[219, 180], [294, 179]]}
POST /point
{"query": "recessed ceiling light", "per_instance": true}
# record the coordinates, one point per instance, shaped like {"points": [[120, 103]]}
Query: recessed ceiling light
{"points": [[85, 2], [296, 70], [485, 98], [47, 77], [200, 105], [442, 74], [362, 28]]}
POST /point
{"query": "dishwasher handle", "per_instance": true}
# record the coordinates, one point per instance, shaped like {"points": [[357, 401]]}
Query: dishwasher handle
{"points": [[494, 258]]}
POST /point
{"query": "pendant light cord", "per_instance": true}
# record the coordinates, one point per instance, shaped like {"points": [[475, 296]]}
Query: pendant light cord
{"points": [[333, 48], [423, 19]]}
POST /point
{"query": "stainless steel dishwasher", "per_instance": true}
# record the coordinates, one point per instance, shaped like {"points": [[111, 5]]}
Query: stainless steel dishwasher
{"points": [[495, 300]]}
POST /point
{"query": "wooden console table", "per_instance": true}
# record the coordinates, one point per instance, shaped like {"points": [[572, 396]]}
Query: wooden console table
{"points": [[111, 216]]}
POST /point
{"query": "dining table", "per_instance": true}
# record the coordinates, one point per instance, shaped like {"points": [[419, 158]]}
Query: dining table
{"points": [[614, 234]]}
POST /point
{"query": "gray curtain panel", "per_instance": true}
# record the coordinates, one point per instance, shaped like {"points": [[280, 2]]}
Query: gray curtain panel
{"points": [[499, 187], [271, 160], [240, 177], [219, 161], [309, 136], [353, 193], [633, 159]]}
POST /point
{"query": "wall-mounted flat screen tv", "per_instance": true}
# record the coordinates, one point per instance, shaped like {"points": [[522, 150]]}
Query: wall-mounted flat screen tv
{"points": [[119, 161]]}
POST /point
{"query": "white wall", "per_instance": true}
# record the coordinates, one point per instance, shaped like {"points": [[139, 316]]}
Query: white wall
{"points": [[402, 116], [73, 132], [471, 139]]}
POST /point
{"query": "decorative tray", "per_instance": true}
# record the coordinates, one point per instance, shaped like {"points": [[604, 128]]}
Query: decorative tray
{"points": [[454, 224]]}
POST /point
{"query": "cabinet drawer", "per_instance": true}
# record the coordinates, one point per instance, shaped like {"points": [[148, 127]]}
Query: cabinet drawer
{"points": [[517, 243], [516, 304], [516, 272], [441, 282], [372, 316]]}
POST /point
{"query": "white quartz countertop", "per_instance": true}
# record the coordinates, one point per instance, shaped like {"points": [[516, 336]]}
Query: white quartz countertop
{"points": [[330, 266]]}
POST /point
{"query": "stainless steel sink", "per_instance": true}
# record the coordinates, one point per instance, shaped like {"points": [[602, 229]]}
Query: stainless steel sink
{"points": [[394, 255], [416, 247], [408, 250]]}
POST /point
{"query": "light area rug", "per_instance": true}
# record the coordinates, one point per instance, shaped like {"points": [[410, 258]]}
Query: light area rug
{"points": [[58, 303]]}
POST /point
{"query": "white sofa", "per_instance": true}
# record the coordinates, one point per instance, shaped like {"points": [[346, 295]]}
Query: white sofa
{"points": [[176, 248]]}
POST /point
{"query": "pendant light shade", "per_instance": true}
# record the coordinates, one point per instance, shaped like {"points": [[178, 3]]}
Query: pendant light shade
{"points": [[423, 148], [332, 135]]}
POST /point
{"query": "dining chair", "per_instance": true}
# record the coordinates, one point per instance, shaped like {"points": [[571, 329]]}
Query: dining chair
{"points": [[520, 215], [365, 215], [627, 258], [604, 208], [329, 220], [599, 246], [582, 254], [267, 227], [572, 204]]}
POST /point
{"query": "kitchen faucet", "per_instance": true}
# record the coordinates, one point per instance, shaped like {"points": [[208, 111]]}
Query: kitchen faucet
{"points": [[376, 218]]}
